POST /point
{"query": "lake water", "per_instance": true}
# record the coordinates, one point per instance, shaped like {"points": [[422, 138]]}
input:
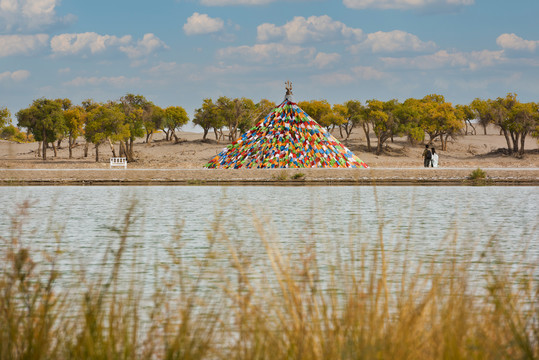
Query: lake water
{"points": [[416, 222]]}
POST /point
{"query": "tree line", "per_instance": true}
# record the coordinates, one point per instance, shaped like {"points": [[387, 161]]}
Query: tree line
{"points": [[114, 122], [133, 116]]}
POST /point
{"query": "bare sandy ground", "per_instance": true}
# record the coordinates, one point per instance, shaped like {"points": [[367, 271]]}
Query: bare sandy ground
{"points": [[164, 162]]}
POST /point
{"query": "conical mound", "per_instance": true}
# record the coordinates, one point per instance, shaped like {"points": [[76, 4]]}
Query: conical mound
{"points": [[286, 138]]}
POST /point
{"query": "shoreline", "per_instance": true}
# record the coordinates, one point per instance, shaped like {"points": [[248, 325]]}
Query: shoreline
{"points": [[272, 177]]}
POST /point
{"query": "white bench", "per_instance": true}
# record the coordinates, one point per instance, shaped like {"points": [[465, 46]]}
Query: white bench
{"points": [[118, 161]]}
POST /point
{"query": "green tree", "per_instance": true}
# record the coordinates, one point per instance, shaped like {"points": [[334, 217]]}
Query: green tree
{"points": [[410, 113], [45, 120], [136, 108], [245, 112], [382, 117], [207, 117], [225, 111], [175, 118], [153, 120], [535, 132], [482, 110], [253, 113], [75, 118], [316, 109], [501, 111], [353, 117], [106, 122], [524, 121], [466, 113], [7, 130], [5, 117], [88, 105], [335, 118], [235, 114], [66, 104], [440, 119]]}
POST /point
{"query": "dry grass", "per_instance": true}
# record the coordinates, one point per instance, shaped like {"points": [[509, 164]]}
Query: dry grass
{"points": [[222, 306]]}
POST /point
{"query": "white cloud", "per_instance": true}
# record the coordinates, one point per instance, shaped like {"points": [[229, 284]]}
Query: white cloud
{"points": [[403, 4], [90, 42], [21, 44], [147, 45], [392, 41], [16, 76], [116, 81], [72, 44], [514, 42], [314, 28], [29, 14], [442, 59], [202, 24], [268, 53], [322, 60]]}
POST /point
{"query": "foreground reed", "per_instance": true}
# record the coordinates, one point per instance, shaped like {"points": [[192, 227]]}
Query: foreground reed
{"points": [[231, 304]]}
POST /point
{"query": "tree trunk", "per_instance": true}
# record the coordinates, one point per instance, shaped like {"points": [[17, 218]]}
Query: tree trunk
{"points": [[348, 131], [112, 148], [514, 137], [522, 140], [379, 145], [58, 143], [507, 139], [54, 149], [444, 145], [216, 136], [86, 146], [44, 143], [96, 152], [474, 131], [130, 153], [234, 133], [149, 141], [39, 149], [485, 129], [205, 134], [70, 146], [122, 149], [366, 130]]}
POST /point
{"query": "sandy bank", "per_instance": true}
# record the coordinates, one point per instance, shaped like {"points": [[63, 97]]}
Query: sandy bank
{"points": [[387, 176]]}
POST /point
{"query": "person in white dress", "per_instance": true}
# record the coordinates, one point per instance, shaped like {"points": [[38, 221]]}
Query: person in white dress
{"points": [[434, 160]]}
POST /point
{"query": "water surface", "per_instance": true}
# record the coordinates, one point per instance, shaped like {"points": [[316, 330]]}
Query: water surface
{"points": [[416, 222]]}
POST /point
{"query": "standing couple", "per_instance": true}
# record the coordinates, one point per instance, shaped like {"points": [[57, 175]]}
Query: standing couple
{"points": [[430, 158]]}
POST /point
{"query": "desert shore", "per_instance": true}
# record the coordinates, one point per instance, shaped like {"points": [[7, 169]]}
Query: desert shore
{"points": [[168, 163]]}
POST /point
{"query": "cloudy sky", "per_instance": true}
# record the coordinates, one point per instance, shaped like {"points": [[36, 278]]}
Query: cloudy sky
{"points": [[178, 52]]}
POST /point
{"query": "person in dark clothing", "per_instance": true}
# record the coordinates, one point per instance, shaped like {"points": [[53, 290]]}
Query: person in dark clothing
{"points": [[427, 156]]}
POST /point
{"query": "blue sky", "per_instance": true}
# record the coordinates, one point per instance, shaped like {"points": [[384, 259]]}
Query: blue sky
{"points": [[178, 52]]}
